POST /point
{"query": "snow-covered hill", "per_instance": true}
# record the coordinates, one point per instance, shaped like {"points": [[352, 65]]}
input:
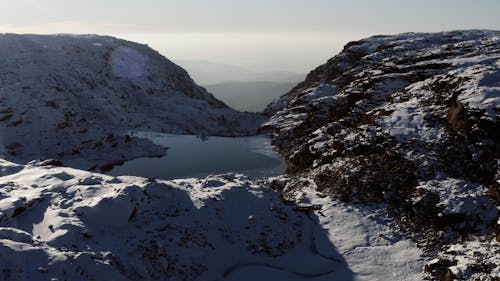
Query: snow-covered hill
{"points": [[73, 98], [65, 224], [410, 121]]}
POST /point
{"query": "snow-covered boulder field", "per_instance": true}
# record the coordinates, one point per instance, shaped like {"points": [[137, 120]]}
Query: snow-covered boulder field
{"points": [[59, 223], [409, 121], [73, 98]]}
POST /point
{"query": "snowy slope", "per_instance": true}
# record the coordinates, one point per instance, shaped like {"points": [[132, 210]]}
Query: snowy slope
{"points": [[66, 224], [73, 98], [410, 121]]}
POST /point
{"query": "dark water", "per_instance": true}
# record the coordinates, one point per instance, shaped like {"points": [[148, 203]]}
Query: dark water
{"points": [[190, 156]]}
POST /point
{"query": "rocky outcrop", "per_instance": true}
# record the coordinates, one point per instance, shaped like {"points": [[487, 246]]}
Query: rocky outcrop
{"points": [[411, 121]]}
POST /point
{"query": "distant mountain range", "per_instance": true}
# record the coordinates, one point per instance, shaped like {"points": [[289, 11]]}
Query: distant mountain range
{"points": [[250, 96], [239, 87], [208, 73]]}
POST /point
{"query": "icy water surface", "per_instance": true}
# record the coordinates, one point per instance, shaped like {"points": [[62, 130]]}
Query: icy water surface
{"points": [[192, 156]]}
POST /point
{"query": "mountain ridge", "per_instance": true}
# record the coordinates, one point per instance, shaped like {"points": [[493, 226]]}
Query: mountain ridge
{"points": [[206, 73], [69, 96], [410, 121]]}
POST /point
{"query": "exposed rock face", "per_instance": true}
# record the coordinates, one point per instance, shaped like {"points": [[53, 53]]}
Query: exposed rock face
{"points": [[73, 98], [410, 120]]}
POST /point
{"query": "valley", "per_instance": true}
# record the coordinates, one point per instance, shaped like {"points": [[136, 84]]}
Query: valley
{"points": [[381, 165]]}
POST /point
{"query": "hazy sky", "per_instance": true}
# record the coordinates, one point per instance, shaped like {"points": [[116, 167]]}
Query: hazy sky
{"points": [[276, 34]]}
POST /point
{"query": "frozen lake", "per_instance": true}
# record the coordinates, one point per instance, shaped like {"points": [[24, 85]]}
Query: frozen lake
{"points": [[190, 156]]}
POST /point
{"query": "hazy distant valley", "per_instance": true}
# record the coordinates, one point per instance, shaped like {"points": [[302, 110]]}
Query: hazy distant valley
{"points": [[239, 87], [249, 96]]}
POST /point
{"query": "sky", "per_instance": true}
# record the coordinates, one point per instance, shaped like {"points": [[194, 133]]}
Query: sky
{"points": [[293, 35]]}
